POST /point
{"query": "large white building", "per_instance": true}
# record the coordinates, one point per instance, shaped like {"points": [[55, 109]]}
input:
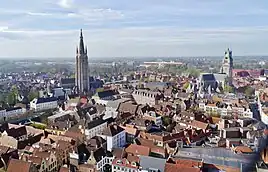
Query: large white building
{"points": [[115, 137], [146, 97], [9, 113], [95, 127], [40, 104]]}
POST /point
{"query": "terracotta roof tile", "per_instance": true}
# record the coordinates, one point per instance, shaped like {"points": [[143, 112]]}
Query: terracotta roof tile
{"points": [[138, 150], [64, 169], [175, 168], [18, 165], [199, 124], [242, 149]]}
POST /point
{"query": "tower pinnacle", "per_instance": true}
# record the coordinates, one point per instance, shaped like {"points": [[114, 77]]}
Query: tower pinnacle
{"points": [[81, 44]]}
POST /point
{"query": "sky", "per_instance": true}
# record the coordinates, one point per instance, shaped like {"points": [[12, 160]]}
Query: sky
{"points": [[128, 28]]}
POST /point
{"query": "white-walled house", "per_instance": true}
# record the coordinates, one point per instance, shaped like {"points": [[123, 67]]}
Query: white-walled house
{"points": [[39, 104], [229, 109], [11, 112], [95, 127], [115, 137]]}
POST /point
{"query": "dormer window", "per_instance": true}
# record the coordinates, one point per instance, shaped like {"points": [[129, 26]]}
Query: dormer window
{"points": [[133, 164]]}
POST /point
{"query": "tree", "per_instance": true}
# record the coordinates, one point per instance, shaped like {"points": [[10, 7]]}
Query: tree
{"points": [[193, 72], [186, 85], [32, 95], [11, 99], [166, 120], [228, 89], [249, 91]]}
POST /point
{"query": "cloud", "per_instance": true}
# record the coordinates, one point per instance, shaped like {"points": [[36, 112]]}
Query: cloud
{"points": [[39, 14], [65, 3]]}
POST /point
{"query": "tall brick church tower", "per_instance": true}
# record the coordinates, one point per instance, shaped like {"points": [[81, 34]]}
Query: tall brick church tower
{"points": [[81, 70]]}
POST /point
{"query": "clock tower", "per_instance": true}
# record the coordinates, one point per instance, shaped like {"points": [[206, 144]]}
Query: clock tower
{"points": [[227, 65]]}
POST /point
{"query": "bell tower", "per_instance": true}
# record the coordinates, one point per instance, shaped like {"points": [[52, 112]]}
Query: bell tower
{"points": [[227, 65], [81, 71]]}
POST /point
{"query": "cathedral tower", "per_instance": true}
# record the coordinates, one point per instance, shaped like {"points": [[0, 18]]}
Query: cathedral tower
{"points": [[81, 70], [227, 65]]}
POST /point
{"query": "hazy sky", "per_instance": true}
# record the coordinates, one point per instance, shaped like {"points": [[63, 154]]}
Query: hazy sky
{"points": [[50, 28]]}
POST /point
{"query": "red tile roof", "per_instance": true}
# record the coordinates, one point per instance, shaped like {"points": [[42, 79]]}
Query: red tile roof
{"points": [[19, 165], [138, 150]]}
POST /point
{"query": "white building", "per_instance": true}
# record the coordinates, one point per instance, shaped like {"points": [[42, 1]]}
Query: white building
{"points": [[11, 112], [95, 127], [115, 136], [151, 115], [146, 97], [213, 108], [111, 108], [39, 104]]}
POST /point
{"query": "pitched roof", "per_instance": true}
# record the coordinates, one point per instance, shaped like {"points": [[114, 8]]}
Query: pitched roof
{"points": [[95, 123], [138, 150], [106, 93], [242, 149], [45, 100], [112, 130], [18, 165], [199, 124], [208, 77], [64, 169], [67, 80], [173, 167]]}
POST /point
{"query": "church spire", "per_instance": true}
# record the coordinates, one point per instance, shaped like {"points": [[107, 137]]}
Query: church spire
{"points": [[81, 44]]}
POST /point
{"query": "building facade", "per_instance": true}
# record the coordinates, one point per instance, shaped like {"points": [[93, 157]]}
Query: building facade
{"points": [[40, 104], [81, 70]]}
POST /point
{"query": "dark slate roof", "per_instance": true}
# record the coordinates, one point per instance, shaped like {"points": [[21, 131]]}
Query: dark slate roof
{"points": [[13, 108], [45, 100], [68, 81], [99, 153], [208, 77], [95, 123], [107, 93], [112, 130]]}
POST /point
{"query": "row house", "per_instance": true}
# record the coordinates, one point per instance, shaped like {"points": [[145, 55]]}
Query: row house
{"points": [[44, 161], [229, 109], [129, 164]]}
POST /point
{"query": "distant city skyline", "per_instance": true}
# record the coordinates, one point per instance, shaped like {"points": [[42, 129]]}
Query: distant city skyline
{"points": [[141, 28]]}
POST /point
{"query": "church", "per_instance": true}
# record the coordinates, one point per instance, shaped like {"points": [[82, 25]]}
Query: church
{"points": [[215, 82]]}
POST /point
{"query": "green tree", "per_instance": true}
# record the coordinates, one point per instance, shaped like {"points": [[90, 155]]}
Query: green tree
{"points": [[228, 89], [166, 120], [32, 95], [186, 85], [193, 72], [249, 91], [11, 99]]}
